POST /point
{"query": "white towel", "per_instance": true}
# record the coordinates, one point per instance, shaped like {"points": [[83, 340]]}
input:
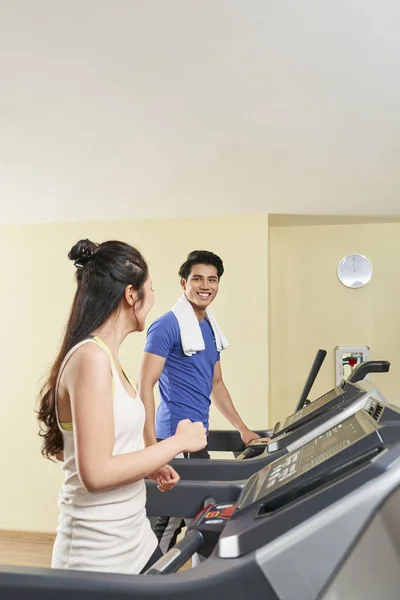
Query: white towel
{"points": [[191, 336]]}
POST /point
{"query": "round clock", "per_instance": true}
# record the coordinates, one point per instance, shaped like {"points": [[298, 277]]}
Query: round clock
{"points": [[354, 270]]}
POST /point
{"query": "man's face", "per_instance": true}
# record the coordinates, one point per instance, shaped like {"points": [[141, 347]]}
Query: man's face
{"points": [[201, 287]]}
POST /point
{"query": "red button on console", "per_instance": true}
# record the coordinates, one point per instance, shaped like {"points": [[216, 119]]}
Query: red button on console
{"points": [[227, 512]]}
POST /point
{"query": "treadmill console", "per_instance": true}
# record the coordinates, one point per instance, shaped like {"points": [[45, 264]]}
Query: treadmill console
{"points": [[334, 397], [258, 442], [293, 466]]}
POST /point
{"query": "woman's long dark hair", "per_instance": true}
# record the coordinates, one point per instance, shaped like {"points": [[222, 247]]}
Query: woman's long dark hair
{"points": [[103, 273]]}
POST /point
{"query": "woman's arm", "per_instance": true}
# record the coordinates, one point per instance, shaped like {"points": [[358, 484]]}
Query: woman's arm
{"points": [[88, 383]]}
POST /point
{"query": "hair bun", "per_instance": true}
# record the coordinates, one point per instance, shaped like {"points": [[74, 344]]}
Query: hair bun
{"points": [[82, 252]]}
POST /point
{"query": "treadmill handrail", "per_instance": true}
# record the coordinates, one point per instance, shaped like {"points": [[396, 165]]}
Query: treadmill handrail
{"points": [[213, 577], [226, 440], [178, 555], [220, 469], [315, 369], [196, 494], [365, 368]]}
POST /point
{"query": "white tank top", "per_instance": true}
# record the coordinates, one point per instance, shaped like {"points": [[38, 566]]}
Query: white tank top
{"points": [[106, 530]]}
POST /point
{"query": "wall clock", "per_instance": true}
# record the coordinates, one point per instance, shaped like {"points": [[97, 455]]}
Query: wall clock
{"points": [[354, 270]]}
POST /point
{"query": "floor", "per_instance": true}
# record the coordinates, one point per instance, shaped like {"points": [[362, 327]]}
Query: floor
{"points": [[30, 549]]}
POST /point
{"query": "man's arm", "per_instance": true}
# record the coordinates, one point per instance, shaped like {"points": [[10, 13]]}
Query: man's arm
{"points": [[222, 400], [150, 371]]}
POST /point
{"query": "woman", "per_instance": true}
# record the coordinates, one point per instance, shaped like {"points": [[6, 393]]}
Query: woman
{"points": [[93, 419]]}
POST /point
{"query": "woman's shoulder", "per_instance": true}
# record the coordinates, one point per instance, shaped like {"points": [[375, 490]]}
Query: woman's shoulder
{"points": [[87, 356]]}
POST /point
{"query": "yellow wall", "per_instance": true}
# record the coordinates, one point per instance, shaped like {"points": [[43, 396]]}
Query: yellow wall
{"points": [[37, 288], [311, 309]]}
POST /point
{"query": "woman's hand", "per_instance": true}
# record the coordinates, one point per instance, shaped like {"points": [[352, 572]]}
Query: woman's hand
{"points": [[166, 478], [192, 436]]}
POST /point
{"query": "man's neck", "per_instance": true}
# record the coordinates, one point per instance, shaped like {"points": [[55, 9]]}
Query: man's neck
{"points": [[199, 312]]}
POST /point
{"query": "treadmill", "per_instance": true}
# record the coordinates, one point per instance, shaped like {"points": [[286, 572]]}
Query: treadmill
{"points": [[293, 532], [222, 440], [303, 425], [376, 550]]}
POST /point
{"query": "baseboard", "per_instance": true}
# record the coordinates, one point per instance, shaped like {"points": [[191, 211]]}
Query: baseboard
{"points": [[31, 536]]}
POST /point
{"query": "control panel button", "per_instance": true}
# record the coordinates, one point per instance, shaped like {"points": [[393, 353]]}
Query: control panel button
{"points": [[228, 512], [213, 521]]}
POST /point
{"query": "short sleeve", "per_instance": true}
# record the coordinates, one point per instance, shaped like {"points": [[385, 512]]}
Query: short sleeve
{"points": [[162, 336]]}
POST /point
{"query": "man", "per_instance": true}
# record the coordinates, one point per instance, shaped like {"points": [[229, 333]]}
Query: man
{"points": [[189, 377]]}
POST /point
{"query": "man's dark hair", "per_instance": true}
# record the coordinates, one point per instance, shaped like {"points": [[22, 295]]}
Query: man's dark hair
{"points": [[201, 257]]}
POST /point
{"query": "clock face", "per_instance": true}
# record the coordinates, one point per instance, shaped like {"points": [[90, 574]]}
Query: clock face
{"points": [[354, 270]]}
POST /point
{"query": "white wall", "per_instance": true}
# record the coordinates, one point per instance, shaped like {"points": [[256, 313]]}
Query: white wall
{"points": [[183, 108]]}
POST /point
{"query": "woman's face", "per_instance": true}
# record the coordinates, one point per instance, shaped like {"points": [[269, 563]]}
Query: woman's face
{"points": [[145, 306]]}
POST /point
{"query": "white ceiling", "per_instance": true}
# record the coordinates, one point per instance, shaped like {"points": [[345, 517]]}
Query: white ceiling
{"points": [[151, 108]]}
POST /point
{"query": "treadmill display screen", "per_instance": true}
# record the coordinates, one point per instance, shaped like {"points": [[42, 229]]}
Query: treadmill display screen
{"points": [[293, 465], [303, 412]]}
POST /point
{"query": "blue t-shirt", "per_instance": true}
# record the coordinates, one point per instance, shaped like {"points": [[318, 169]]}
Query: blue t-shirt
{"points": [[186, 381]]}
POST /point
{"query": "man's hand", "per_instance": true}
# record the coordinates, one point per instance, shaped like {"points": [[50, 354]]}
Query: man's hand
{"points": [[247, 436], [166, 478]]}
